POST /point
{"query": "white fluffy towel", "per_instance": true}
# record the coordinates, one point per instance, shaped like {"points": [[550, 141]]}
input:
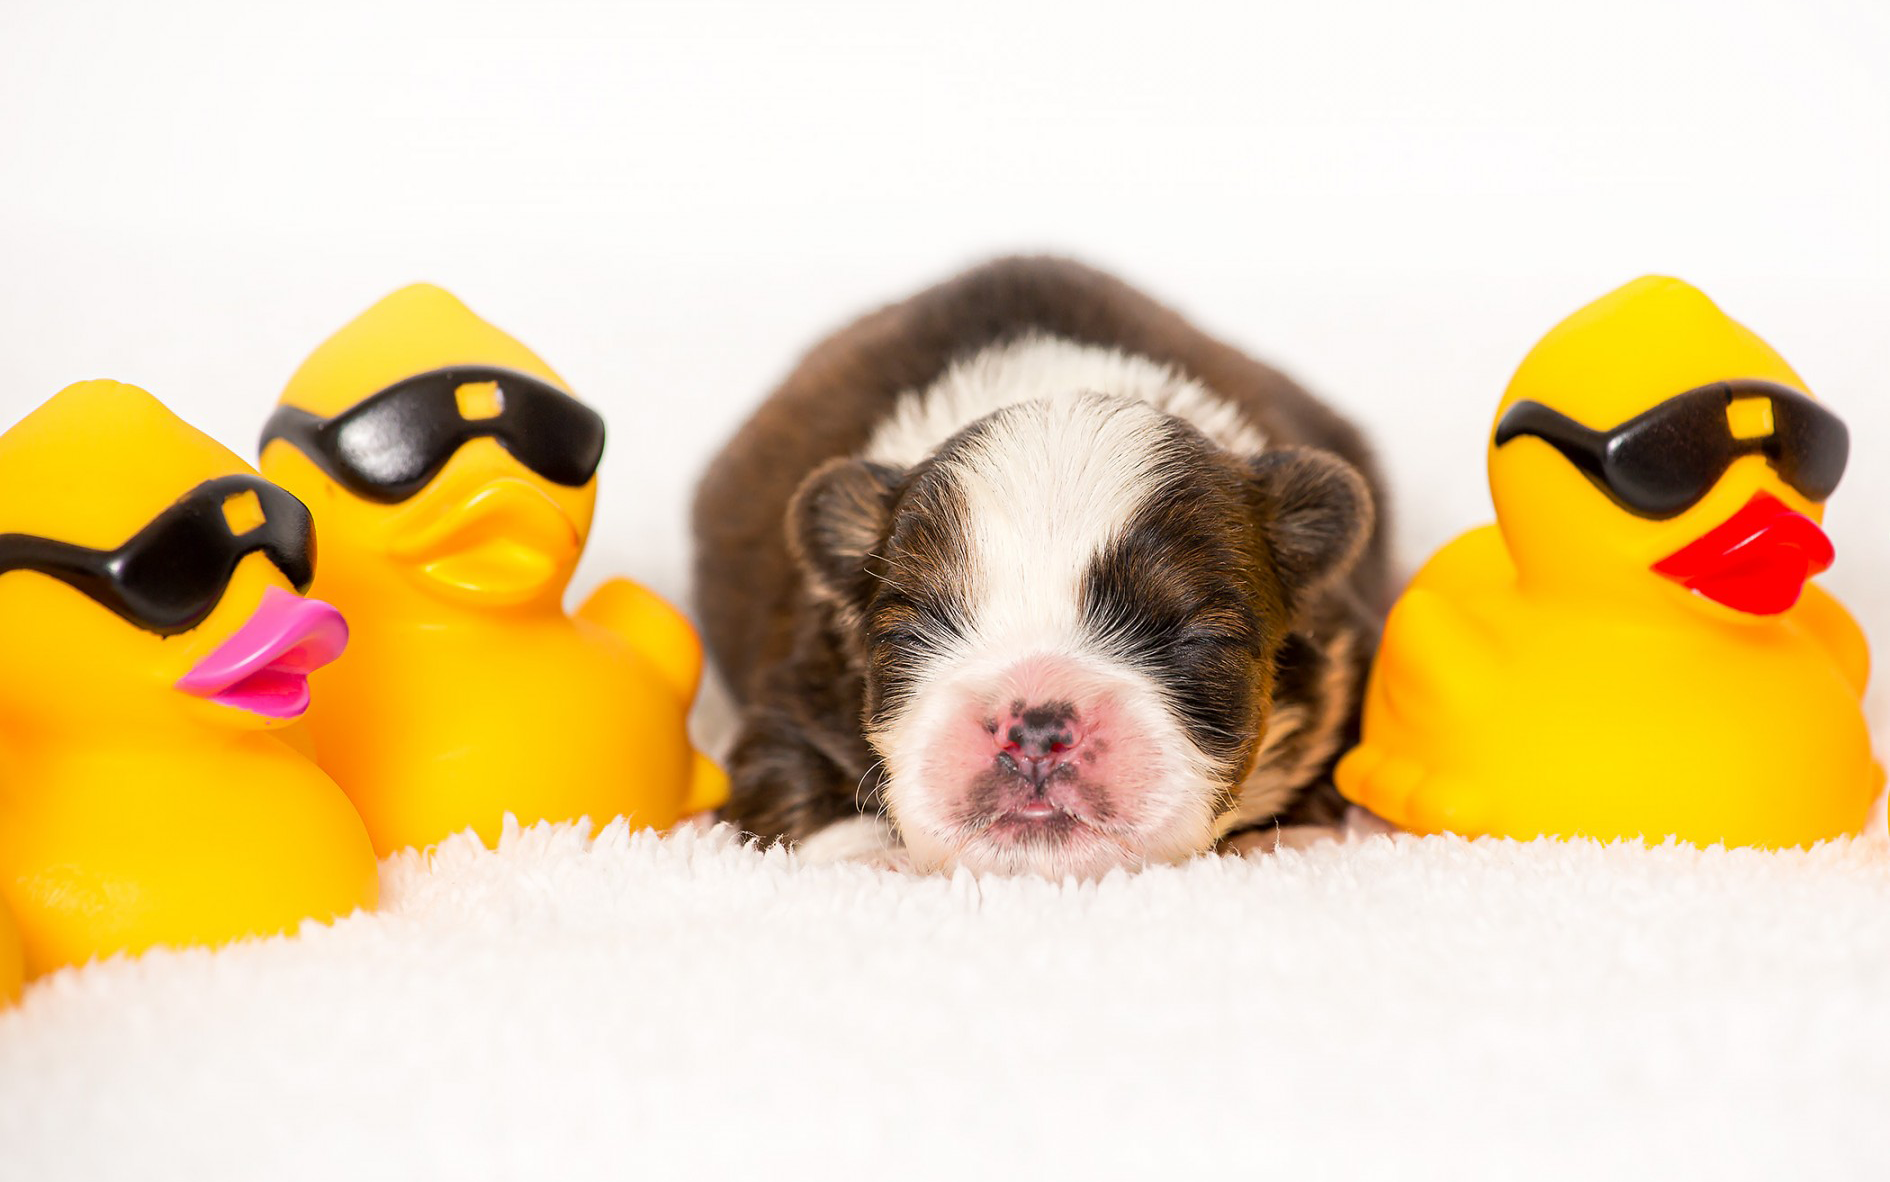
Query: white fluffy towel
{"points": [[638, 1006]]}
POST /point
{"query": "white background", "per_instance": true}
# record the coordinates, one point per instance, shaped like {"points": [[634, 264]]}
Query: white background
{"points": [[669, 201]]}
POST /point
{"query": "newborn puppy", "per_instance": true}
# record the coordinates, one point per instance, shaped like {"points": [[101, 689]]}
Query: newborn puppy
{"points": [[1027, 574]]}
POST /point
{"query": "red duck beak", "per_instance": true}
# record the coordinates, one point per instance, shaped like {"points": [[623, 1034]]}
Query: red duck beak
{"points": [[1757, 561]]}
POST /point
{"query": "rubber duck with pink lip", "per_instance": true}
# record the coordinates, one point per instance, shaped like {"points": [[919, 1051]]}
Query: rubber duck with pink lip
{"points": [[154, 646]]}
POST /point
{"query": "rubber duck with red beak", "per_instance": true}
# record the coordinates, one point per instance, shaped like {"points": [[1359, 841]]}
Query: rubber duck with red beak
{"points": [[1634, 649]]}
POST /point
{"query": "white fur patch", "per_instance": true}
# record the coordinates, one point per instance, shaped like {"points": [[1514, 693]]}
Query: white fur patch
{"points": [[1047, 488], [1048, 367], [867, 840]]}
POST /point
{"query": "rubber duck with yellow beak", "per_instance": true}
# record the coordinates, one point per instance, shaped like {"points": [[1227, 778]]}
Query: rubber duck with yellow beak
{"points": [[155, 643], [1633, 649], [453, 476]]}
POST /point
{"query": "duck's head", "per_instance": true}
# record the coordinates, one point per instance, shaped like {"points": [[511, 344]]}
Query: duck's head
{"points": [[445, 463], [1652, 451], [148, 577]]}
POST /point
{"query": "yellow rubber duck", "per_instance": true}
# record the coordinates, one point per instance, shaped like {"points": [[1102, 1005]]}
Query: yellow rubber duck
{"points": [[1632, 650], [12, 964], [154, 645], [452, 474]]}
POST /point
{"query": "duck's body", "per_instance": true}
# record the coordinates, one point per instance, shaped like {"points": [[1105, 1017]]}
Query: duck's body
{"points": [[147, 795], [546, 717], [1635, 653], [471, 693], [121, 846], [1493, 710], [12, 963]]}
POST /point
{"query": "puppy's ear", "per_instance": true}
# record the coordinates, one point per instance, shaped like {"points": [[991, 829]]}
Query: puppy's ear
{"points": [[1316, 512], [837, 519]]}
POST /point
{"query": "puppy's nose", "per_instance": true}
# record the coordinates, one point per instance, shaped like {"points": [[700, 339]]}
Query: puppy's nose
{"points": [[1034, 741], [1037, 731]]}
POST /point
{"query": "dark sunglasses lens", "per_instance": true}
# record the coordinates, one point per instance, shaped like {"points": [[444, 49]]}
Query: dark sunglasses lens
{"points": [[395, 446], [1661, 465], [175, 574], [178, 570], [555, 436], [1813, 446], [289, 537]]}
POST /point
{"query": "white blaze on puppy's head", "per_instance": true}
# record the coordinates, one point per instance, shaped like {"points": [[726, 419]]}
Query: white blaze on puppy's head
{"points": [[1066, 570]]}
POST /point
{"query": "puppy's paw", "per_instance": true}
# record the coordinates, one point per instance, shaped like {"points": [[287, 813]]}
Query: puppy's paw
{"points": [[864, 841], [1268, 839]]}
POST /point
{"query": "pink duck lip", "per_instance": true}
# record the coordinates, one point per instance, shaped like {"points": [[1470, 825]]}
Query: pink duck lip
{"points": [[264, 666]]}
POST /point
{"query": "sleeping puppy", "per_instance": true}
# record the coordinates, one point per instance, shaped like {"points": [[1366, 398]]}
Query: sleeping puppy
{"points": [[1027, 574]]}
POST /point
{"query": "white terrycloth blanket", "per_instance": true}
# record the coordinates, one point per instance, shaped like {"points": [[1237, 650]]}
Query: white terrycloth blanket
{"points": [[639, 1006]]}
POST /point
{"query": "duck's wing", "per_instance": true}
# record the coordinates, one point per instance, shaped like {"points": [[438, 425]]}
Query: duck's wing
{"points": [[651, 625], [1470, 564], [1440, 651], [1820, 614], [1439, 667], [648, 623]]}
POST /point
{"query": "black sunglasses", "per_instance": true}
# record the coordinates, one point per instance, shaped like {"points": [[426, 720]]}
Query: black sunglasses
{"points": [[171, 574], [1661, 462], [390, 446]]}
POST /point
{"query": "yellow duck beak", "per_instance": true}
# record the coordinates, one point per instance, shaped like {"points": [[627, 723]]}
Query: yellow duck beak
{"points": [[504, 543]]}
